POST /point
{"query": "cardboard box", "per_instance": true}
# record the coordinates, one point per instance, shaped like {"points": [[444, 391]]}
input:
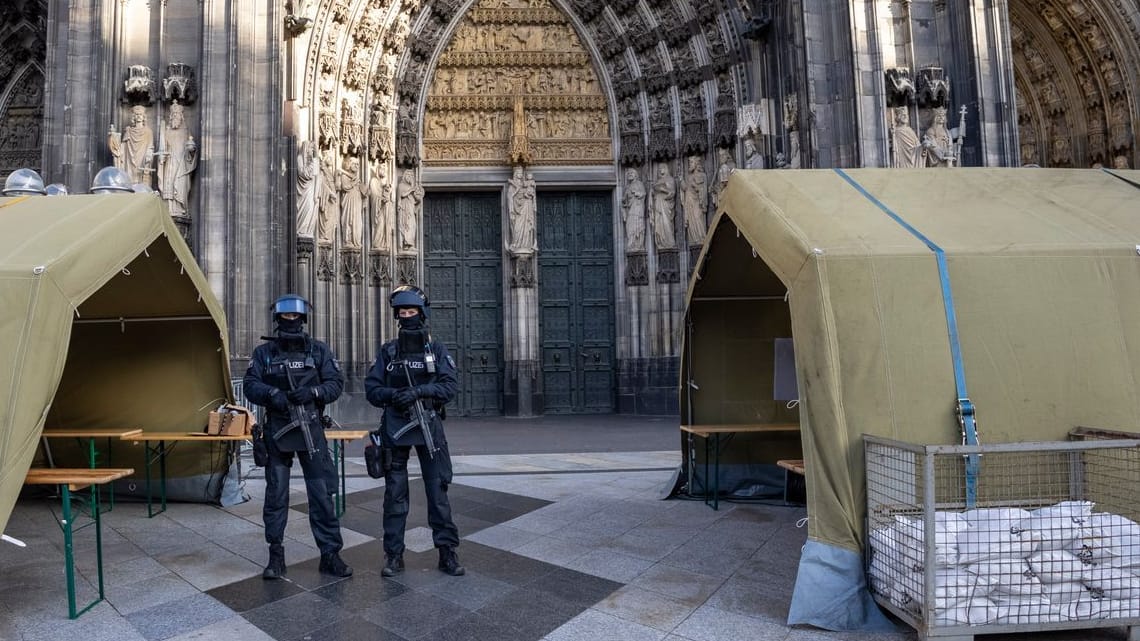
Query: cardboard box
{"points": [[231, 420]]}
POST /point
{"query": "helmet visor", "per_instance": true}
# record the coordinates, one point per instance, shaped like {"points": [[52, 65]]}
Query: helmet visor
{"points": [[291, 304]]}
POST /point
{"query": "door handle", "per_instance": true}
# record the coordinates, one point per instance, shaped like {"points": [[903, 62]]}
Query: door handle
{"points": [[585, 355], [557, 357], [483, 359]]}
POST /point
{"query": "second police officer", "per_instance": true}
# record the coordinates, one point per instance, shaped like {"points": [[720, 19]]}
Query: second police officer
{"points": [[412, 368], [294, 375]]}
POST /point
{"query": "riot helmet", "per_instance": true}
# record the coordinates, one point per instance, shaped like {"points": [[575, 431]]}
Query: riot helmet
{"points": [[409, 296], [291, 304]]}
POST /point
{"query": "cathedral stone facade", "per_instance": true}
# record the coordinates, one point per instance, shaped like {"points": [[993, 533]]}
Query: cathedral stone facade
{"points": [[545, 169]]}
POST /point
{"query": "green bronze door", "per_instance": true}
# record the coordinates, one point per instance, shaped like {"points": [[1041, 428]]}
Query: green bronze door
{"points": [[576, 294], [463, 277]]}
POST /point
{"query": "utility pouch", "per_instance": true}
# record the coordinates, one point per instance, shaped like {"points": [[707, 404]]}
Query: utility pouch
{"points": [[375, 455], [260, 452]]}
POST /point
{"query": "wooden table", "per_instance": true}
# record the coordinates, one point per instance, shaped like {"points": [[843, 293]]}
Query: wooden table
{"points": [[92, 453], [158, 453], [339, 438], [712, 433], [68, 480]]}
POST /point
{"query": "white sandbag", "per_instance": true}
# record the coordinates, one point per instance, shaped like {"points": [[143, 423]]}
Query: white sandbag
{"points": [[1109, 539], [951, 585], [1058, 525], [1116, 609], [1112, 583], [1010, 576], [976, 543], [976, 611], [1066, 592], [994, 518], [1015, 613], [912, 539], [1056, 566]]}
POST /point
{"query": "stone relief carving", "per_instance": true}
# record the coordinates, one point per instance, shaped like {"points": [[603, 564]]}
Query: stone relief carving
{"points": [[900, 87], [906, 149], [326, 269], [409, 197], [379, 133], [380, 205], [350, 271], [352, 140], [664, 204], [662, 143], [724, 133], [515, 86], [633, 211], [308, 180], [694, 199], [521, 201], [407, 152], [933, 87], [668, 266], [1119, 129], [177, 161], [351, 185], [379, 270], [753, 159]]}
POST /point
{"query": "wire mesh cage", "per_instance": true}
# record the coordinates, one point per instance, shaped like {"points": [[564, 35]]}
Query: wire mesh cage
{"points": [[1015, 537]]}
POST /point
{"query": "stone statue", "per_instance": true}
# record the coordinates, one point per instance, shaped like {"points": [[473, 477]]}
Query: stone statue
{"points": [[178, 160], [727, 166], [664, 204], [937, 145], [694, 198], [308, 179], [115, 146], [521, 197], [905, 148], [409, 195], [329, 201], [138, 147], [752, 157], [520, 145], [633, 211], [380, 199], [352, 189]]}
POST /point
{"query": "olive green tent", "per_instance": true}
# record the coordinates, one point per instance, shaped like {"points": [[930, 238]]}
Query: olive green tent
{"points": [[1043, 272], [105, 321]]}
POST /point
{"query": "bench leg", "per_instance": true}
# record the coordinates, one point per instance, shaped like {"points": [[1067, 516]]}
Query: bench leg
{"points": [[152, 454], [338, 462], [68, 527]]}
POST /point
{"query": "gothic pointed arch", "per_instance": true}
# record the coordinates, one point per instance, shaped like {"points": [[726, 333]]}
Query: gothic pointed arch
{"points": [[1075, 65], [22, 53]]}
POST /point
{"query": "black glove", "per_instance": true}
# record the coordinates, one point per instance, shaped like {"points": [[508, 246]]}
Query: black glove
{"points": [[302, 396], [279, 402], [403, 399], [422, 391]]}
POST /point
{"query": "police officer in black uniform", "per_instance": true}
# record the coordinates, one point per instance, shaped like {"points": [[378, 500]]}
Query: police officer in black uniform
{"points": [[409, 368], [294, 369]]}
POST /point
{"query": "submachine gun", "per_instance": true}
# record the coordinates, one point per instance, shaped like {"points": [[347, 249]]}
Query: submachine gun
{"points": [[421, 417], [300, 419]]}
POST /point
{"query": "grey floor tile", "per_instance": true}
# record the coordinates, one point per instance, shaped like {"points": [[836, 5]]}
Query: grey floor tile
{"points": [[503, 537], [695, 556], [414, 615], [530, 617], [574, 587], [690, 588], [552, 550], [295, 616], [475, 627], [151, 592], [593, 625], [472, 591], [178, 617], [234, 628], [350, 629], [365, 589], [208, 565], [647, 608], [768, 601], [711, 624], [610, 565], [253, 593]]}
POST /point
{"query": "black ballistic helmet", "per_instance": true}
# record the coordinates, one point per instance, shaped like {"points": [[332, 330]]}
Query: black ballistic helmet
{"points": [[291, 303], [409, 296]]}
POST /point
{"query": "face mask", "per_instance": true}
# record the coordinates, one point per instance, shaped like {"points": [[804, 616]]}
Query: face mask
{"points": [[294, 327], [412, 323]]}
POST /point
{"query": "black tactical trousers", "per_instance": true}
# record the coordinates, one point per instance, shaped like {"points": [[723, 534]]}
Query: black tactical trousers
{"points": [[322, 516], [443, 530]]}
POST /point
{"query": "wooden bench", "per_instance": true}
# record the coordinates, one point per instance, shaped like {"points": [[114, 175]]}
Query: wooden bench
{"points": [[791, 466], [712, 434], [70, 479], [91, 435], [157, 453]]}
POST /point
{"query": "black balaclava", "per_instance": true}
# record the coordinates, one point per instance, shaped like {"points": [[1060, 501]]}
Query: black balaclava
{"points": [[291, 332], [413, 336]]}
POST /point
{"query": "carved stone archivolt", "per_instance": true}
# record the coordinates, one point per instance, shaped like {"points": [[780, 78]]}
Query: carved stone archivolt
{"points": [[515, 70], [1075, 108]]}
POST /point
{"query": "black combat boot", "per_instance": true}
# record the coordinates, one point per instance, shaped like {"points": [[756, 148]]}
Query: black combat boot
{"points": [[331, 563], [449, 562], [393, 565], [276, 568]]}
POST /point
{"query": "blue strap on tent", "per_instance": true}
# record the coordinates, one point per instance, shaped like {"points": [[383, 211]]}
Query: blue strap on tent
{"points": [[965, 408], [1119, 177]]}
